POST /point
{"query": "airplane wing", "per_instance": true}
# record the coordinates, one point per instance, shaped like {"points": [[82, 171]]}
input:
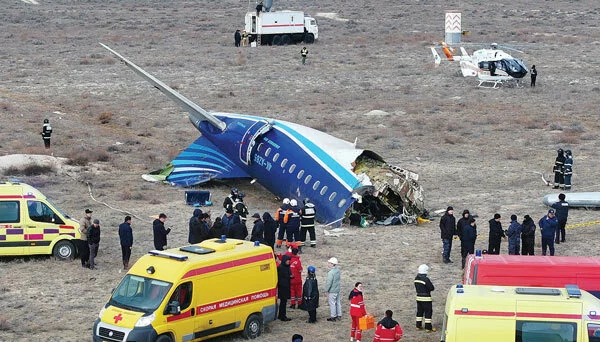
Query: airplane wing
{"points": [[200, 162]]}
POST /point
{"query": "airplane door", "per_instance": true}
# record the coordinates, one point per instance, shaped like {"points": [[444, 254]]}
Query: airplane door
{"points": [[11, 228], [249, 140]]}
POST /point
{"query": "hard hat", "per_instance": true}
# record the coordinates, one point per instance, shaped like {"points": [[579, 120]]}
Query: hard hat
{"points": [[333, 260], [560, 151], [293, 203], [234, 191], [423, 269], [311, 269], [46, 121], [286, 201], [568, 152]]}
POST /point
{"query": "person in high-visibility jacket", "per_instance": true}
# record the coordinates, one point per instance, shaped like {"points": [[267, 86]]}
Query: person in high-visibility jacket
{"points": [[292, 222], [279, 215], [307, 223], [388, 330], [357, 310], [423, 286]]}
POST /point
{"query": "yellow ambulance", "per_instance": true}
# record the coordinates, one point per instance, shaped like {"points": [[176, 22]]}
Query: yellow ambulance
{"points": [[193, 293], [520, 314], [31, 224]]}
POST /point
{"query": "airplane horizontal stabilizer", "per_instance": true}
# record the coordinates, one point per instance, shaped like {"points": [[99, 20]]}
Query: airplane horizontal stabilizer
{"points": [[201, 162]]}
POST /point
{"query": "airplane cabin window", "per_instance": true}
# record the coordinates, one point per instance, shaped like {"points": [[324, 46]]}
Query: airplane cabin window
{"points": [[259, 147], [283, 162], [316, 185], [324, 190], [332, 196], [275, 157], [307, 179], [267, 152], [342, 202], [300, 174], [292, 168]]}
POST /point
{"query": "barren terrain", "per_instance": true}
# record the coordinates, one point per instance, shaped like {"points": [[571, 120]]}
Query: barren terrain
{"points": [[473, 148]]}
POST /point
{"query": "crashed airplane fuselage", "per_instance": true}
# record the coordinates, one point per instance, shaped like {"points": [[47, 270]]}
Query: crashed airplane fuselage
{"points": [[288, 159]]}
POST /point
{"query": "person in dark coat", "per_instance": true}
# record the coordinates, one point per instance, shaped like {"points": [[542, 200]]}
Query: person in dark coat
{"points": [[126, 237], [194, 223], [514, 235], [533, 74], [238, 231], [548, 225], [469, 235], [93, 239], [217, 230], [496, 234], [562, 215], [258, 230], [46, 133], [160, 232], [310, 295], [559, 168], [528, 236], [270, 228], [463, 221], [284, 275], [423, 287], [237, 38], [447, 228], [568, 169]]}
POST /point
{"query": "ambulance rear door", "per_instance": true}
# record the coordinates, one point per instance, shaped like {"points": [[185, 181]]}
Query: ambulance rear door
{"points": [[11, 228], [42, 226]]}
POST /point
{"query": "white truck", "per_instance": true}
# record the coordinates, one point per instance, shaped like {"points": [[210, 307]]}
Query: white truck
{"points": [[281, 27]]}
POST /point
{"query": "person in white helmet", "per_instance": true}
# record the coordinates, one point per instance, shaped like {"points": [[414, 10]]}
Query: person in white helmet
{"points": [[423, 286], [292, 223], [279, 215], [332, 288]]}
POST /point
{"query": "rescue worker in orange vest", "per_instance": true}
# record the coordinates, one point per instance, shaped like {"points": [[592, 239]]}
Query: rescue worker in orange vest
{"points": [[279, 215], [307, 223], [296, 281], [292, 223], [357, 310], [424, 302], [388, 330]]}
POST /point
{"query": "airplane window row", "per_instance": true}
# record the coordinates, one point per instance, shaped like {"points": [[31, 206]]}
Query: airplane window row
{"points": [[301, 174]]}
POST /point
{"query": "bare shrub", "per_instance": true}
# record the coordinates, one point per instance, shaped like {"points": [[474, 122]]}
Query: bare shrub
{"points": [[78, 159], [98, 155], [240, 59], [4, 323], [126, 195], [105, 117], [452, 139], [5, 106], [85, 61], [512, 155], [569, 138], [555, 126], [29, 170], [107, 60]]}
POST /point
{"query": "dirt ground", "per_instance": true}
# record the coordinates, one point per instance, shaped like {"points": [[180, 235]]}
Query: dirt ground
{"points": [[473, 148]]}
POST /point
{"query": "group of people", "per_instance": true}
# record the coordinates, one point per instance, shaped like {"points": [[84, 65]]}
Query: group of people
{"points": [[521, 236], [289, 286], [563, 169], [240, 38]]}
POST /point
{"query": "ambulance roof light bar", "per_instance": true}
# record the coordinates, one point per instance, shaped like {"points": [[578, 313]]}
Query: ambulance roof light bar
{"points": [[573, 291], [164, 254]]}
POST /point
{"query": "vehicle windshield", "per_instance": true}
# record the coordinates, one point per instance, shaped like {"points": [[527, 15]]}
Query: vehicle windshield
{"points": [[139, 293]]}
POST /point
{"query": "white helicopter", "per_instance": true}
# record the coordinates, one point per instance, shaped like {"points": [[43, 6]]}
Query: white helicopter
{"points": [[492, 66]]}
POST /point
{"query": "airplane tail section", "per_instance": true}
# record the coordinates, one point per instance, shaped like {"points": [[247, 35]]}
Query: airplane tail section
{"points": [[436, 57], [468, 68], [196, 112], [464, 53], [198, 163]]}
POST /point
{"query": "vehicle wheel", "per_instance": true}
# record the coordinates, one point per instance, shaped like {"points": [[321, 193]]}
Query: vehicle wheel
{"points": [[285, 40], [276, 40], [64, 250], [164, 338], [309, 38], [254, 326]]}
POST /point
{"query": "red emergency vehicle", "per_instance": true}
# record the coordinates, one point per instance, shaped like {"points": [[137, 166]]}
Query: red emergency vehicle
{"points": [[534, 270]]}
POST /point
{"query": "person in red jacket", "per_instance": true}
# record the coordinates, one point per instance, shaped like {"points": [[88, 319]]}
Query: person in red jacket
{"points": [[388, 329], [296, 281], [357, 310]]}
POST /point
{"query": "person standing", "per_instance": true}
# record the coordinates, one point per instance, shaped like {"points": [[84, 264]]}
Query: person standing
{"points": [[241, 209], [297, 338], [279, 216], [562, 214], [548, 225], [469, 235], [237, 38], [304, 53], [528, 236], [82, 245], [93, 242], [126, 237], [270, 227], [230, 200], [292, 222], [387, 329], [568, 169], [296, 281], [533, 73], [160, 232], [423, 286], [463, 221], [284, 276], [229, 219], [193, 225], [217, 230], [307, 223], [496, 234], [559, 164], [258, 231], [514, 235], [310, 295], [46, 133], [357, 310], [244, 38], [332, 288], [447, 228]]}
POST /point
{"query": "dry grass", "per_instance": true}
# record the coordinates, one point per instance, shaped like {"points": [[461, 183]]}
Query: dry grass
{"points": [[30, 170], [105, 117]]}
